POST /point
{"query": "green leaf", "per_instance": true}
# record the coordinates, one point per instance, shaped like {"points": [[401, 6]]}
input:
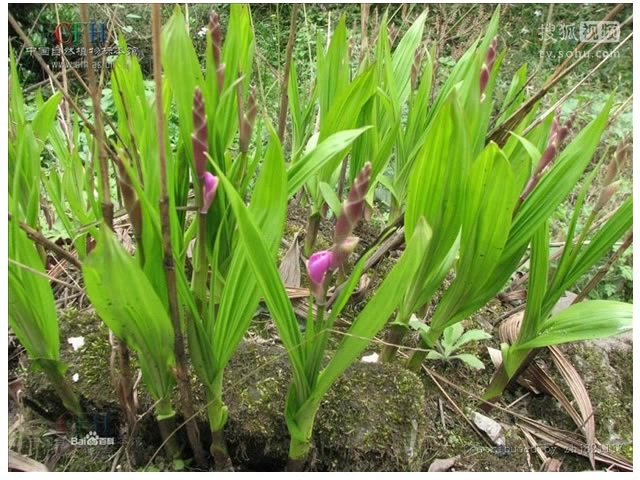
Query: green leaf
{"points": [[301, 171], [433, 355], [241, 293], [270, 283], [539, 273], [452, 334], [557, 183], [583, 321], [469, 359], [32, 312], [471, 336], [487, 212], [126, 301], [376, 312], [330, 197]]}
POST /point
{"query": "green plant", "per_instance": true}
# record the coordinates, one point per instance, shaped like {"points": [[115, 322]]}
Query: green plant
{"points": [[32, 313], [307, 350], [582, 321], [453, 338]]}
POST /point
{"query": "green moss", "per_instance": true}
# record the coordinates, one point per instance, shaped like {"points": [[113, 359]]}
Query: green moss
{"points": [[372, 419]]}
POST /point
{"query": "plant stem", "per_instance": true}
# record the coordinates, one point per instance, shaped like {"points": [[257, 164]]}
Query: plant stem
{"points": [[417, 356], [62, 388], [200, 269], [167, 427], [219, 451], [217, 413], [392, 341], [169, 265], [37, 237], [298, 453], [395, 211], [126, 385], [313, 226], [502, 381], [284, 97]]}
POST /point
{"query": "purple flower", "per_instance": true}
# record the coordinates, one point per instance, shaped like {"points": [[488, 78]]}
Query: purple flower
{"points": [[209, 187], [318, 265]]}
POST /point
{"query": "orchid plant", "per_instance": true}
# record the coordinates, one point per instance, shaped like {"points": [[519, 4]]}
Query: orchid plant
{"points": [[306, 350]]}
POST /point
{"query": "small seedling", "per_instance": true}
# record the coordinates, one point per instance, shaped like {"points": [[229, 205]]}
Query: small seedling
{"points": [[453, 339]]}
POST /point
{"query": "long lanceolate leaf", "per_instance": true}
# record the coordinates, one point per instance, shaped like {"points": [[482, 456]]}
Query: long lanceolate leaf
{"points": [[241, 292], [314, 160], [583, 321], [128, 304], [436, 192], [488, 208], [375, 314], [271, 285], [32, 313], [590, 253], [544, 199]]}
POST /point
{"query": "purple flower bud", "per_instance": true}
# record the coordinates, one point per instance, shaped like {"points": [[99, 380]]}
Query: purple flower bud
{"points": [[209, 187], [612, 172], [352, 208], [129, 196], [216, 37], [605, 195], [484, 78], [491, 57], [199, 138], [318, 265], [220, 77], [547, 157], [342, 251]]}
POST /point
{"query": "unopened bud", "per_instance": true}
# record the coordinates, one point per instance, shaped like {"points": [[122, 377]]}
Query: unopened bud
{"points": [[199, 137], [216, 37], [547, 157], [484, 78], [130, 198], [605, 195], [220, 77], [612, 172], [352, 208], [342, 251]]}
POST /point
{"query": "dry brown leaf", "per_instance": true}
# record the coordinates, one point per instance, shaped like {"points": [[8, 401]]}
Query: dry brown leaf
{"points": [[551, 465], [290, 266], [537, 378], [573, 379], [572, 443], [24, 464]]}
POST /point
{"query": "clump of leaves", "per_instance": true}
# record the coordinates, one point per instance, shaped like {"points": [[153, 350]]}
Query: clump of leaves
{"points": [[453, 339]]}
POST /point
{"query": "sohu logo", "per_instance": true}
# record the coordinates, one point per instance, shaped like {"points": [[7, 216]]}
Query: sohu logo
{"points": [[72, 32]]}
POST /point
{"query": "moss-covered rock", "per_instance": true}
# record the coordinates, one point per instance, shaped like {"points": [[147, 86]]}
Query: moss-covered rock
{"points": [[606, 366], [373, 419]]}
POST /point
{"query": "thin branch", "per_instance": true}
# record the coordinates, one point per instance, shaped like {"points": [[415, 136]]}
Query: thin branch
{"points": [[48, 244], [169, 264], [605, 268], [284, 97], [53, 279]]}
